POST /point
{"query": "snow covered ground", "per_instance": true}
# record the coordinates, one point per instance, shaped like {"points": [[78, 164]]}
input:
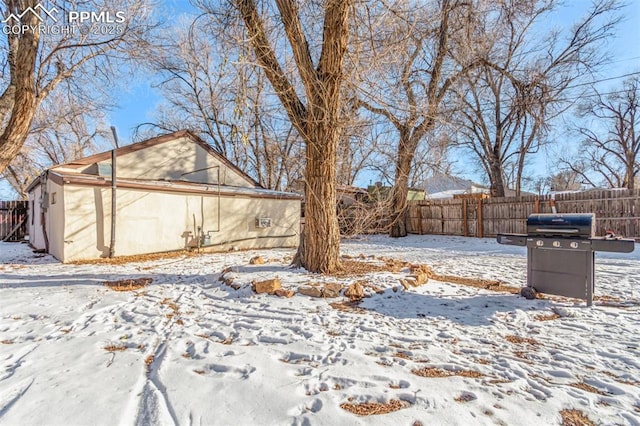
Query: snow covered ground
{"points": [[189, 349]]}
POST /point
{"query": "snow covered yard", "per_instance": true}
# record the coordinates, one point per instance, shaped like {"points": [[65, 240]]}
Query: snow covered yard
{"points": [[189, 349]]}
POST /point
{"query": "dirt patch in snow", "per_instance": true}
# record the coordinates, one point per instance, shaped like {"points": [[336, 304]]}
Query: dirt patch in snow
{"points": [[347, 306], [465, 397], [121, 260], [548, 317], [128, 285], [355, 267], [492, 285], [432, 372], [395, 266], [115, 348], [587, 388], [520, 340], [575, 418], [402, 355], [621, 380], [373, 408]]}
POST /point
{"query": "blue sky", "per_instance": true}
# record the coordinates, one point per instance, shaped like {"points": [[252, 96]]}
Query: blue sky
{"points": [[137, 105], [137, 102], [624, 49]]}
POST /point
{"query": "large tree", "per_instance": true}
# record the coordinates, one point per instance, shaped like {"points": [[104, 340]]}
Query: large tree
{"points": [[211, 86], [315, 113], [411, 72], [506, 105], [610, 151], [38, 63], [56, 138]]}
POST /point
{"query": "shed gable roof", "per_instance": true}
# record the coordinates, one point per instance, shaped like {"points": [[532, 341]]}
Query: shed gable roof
{"points": [[153, 142]]}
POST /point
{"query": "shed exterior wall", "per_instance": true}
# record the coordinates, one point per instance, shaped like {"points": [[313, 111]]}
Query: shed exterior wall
{"points": [[36, 237], [53, 218], [55, 221], [154, 221]]}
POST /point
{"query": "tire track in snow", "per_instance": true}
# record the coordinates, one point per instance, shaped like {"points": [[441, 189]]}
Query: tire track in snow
{"points": [[154, 407]]}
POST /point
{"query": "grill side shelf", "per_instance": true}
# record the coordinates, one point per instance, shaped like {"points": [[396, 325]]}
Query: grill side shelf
{"points": [[616, 246], [512, 239]]}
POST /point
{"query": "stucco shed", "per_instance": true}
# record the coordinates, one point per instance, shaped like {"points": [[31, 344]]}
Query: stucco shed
{"points": [[173, 192]]}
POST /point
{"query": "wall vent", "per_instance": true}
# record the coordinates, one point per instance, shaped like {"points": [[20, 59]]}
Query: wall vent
{"points": [[263, 222]]}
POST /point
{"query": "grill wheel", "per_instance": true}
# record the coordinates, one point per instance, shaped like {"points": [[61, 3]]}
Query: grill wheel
{"points": [[528, 292]]}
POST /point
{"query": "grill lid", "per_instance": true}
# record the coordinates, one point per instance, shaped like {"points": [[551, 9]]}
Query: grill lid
{"points": [[561, 225]]}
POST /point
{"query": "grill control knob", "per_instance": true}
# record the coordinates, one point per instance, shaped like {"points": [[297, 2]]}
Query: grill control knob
{"points": [[574, 245], [539, 243], [556, 243]]}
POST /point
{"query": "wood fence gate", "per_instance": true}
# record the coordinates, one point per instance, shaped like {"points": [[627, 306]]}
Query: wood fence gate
{"points": [[13, 220], [446, 217]]}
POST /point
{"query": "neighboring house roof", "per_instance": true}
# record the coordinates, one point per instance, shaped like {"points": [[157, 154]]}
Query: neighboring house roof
{"points": [[442, 186], [69, 169], [348, 189], [447, 194], [441, 183], [508, 192]]}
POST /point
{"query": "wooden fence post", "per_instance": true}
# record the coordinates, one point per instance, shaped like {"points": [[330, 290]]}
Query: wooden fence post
{"points": [[13, 220], [464, 218], [480, 233]]}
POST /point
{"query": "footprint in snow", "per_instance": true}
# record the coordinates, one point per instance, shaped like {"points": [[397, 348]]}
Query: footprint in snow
{"points": [[316, 388], [220, 370], [466, 397], [313, 406], [306, 371]]}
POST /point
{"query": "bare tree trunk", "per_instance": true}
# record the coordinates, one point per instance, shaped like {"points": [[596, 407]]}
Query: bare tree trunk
{"points": [[423, 81], [38, 63], [399, 194], [320, 246], [630, 175], [23, 63], [496, 179], [317, 122], [519, 175]]}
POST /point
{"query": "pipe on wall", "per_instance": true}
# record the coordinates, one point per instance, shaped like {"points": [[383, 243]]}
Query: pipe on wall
{"points": [[112, 242], [247, 239]]}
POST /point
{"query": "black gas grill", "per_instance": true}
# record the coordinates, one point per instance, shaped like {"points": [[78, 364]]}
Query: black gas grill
{"points": [[561, 252]]}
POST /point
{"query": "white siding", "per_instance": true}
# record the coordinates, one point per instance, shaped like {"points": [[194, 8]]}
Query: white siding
{"points": [[149, 222], [36, 236]]}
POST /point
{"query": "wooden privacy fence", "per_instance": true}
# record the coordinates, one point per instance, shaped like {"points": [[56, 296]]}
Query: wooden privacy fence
{"points": [[615, 210], [13, 220]]}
